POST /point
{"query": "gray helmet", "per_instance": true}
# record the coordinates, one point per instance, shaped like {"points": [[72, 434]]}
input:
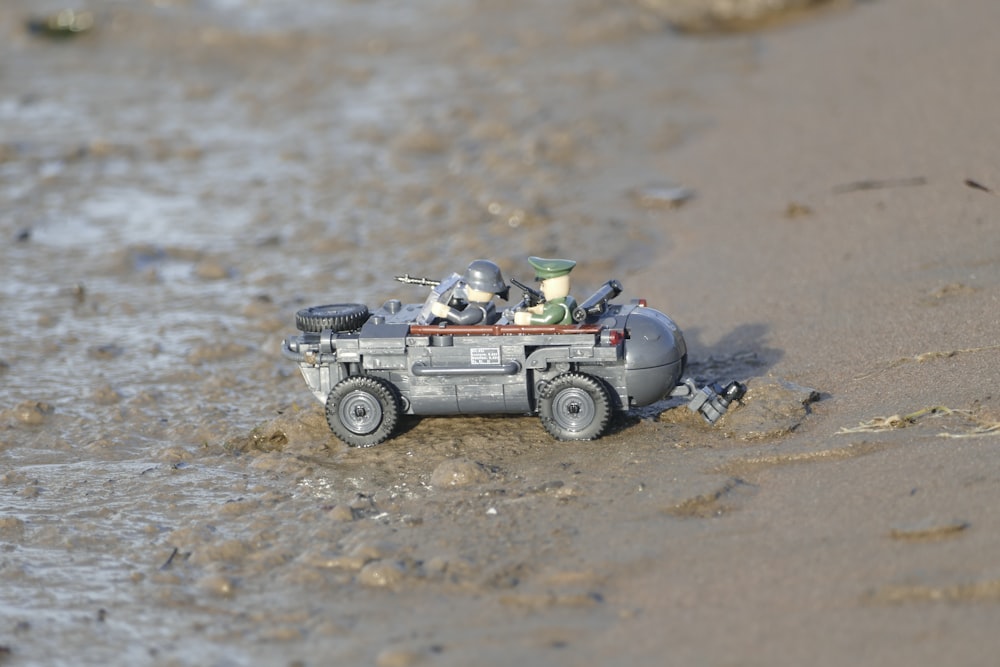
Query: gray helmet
{"points": [[485, 276]]}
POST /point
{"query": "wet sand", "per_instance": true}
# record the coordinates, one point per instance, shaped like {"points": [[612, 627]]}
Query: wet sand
{"points": [[176, 183]]}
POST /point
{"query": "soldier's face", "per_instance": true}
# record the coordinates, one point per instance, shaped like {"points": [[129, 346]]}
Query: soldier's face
{"points": [[555, 288], [478, 296]]}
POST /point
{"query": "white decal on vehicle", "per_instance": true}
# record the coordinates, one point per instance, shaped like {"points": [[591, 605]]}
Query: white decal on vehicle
{"points": [[485, 356]]}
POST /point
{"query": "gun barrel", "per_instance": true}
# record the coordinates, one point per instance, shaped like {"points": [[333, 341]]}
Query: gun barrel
{"points": [[598, 300], [411, 280]]}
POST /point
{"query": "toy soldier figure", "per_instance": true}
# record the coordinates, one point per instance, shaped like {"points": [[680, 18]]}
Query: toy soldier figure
{"points": [[482, 281], [558, 306]]}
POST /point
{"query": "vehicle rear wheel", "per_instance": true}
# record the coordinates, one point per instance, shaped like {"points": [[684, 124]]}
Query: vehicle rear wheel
{"points": [[362, 410], [336, 316], [574, 406]]}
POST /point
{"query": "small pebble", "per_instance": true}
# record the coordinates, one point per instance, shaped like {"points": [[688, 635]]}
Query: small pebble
{"points": [[398, 657], [458, 472], [341, 513], [208, 269], [33, 413], [11, 527], [105, 395], [217, 585], [381, 574], [662, 195], [105, 352]]}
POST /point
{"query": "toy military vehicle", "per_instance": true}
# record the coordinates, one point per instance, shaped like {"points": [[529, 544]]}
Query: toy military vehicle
{"points": [[371, 367]]}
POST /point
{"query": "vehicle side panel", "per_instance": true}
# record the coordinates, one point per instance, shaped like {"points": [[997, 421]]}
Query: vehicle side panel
{"points": [[468, 375]]}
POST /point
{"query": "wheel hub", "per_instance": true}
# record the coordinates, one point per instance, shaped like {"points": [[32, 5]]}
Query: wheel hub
{"points": [[573, 409], [360, 412]]}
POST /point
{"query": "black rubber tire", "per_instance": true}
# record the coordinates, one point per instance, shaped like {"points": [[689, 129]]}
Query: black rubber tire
{"points": [[362, 410], [336, 316], [574, 406]]}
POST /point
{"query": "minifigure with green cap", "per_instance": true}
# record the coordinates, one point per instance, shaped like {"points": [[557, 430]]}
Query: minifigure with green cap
{"points": [[559, 305]]}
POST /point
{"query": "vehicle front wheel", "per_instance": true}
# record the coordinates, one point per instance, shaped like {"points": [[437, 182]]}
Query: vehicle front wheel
{"points": [[362, 410], [574, 406]]}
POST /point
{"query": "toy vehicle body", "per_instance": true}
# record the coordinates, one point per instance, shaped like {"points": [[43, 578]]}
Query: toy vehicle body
{"points": [[369, 368]]}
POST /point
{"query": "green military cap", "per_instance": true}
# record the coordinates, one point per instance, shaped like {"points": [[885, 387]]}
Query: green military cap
{"points": [[551, 268]]}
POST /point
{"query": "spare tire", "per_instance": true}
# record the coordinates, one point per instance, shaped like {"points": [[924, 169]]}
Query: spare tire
{"points": [[336, 316]]}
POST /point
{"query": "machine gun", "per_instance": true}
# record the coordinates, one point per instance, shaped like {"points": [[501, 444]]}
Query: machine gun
{"points": [[411, 280], [444, 291]]}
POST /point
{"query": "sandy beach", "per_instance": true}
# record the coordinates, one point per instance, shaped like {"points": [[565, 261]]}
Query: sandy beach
{"points": [[178, 181]]}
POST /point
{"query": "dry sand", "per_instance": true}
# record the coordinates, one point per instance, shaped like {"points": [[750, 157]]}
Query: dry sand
{"points": [[887, 300]]}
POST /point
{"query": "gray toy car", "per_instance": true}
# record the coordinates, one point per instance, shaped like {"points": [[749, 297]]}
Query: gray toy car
{"points": [[371, 367]]}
